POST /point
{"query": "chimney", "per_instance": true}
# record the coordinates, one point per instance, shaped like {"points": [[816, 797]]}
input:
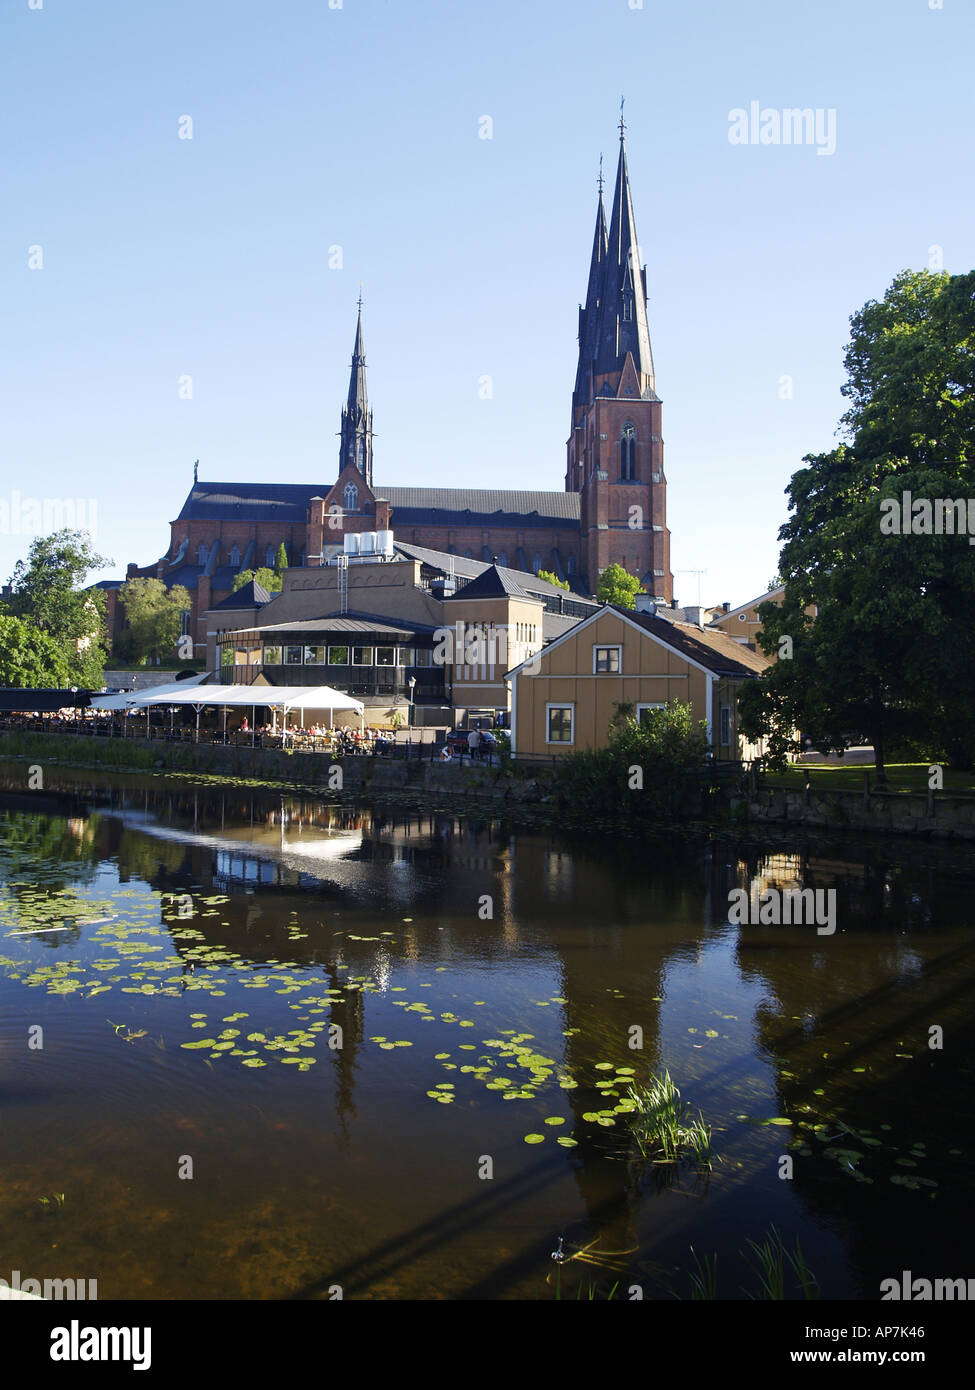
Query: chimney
{"points": [[674, 603], [646, 603], [726, 608]]}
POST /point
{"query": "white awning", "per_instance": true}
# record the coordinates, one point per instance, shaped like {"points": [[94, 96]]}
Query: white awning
{"points": [[132, 699], [310, 697]]}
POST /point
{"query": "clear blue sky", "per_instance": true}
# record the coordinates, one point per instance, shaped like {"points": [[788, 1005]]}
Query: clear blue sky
{"points": [[358, 127]]}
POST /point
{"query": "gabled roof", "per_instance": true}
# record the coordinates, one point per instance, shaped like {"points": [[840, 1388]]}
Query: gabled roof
{"points": [[771, 595], [711, 651], [492, 582], [251, 595], [714, 650], [470, 569]]}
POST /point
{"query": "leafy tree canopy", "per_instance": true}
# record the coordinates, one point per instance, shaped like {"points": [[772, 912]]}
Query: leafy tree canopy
{"points": [[617, 586], [29, 657], [879, 621], [270, 579], [551, 578], [48, 593], [154, 615]]}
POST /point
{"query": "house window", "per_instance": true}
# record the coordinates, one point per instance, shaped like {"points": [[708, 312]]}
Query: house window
{"points": [[385, 656], [423, 657], [628, 452], [272, 656], [338, 656], [234, 557], [201, 554], [362, 656], [314, 656], [725, 735], [292, 656], [559, 720], [404, 656], [606, 660], [642, 711], [351, 495]]}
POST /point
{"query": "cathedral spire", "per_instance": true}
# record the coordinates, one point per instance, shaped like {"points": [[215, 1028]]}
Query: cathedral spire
{"points": [[622, 322], [589, 314], [356, 445]]}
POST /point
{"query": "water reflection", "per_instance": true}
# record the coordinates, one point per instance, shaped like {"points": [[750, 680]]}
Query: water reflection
{"points": [[289, 911]]}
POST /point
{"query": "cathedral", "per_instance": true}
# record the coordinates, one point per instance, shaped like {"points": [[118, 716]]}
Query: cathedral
{"points": [[612, 510]]}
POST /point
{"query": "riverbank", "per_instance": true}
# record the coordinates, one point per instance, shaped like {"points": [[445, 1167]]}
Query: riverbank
{"points": [[529, 790]]}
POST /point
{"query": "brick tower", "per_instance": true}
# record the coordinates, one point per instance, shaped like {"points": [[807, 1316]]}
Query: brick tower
{"points": [[615, 450]]}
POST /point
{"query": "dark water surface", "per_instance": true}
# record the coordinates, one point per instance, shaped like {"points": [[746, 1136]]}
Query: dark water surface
{"points": [[252, 923]]}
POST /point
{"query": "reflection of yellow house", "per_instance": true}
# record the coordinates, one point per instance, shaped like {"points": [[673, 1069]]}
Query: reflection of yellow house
{"points": [[564, 697]]}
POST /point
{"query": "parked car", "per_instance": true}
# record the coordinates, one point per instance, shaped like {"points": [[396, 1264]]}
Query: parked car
{"points": [[457, 741]]}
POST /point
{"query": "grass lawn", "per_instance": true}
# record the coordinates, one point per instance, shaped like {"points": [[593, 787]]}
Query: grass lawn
{"points": [[901, 777]]}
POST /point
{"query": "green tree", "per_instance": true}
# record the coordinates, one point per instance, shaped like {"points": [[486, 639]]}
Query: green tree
{"points": [[891, 647], [281, 563], [646, 768], [48, 591], [617, 586], [270, 579], [551, 578], [29, 657], [155, 616]]}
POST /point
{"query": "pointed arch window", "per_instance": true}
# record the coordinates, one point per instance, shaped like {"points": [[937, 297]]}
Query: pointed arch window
{"points": [[627, 308], [234, 557], [351, 496], [201, 554], [270, 556], [536, 562], [503, 559], [628, 452]]}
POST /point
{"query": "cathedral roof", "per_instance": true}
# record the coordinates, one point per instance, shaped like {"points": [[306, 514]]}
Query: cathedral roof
{"points": [[413, 506]]}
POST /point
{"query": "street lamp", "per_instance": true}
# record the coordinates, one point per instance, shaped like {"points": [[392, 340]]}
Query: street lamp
{"points": [[412, 684]]}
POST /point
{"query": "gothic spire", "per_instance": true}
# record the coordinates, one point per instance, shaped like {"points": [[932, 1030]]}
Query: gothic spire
{"points": [[622, 321], [589, 314], [356, 445]]}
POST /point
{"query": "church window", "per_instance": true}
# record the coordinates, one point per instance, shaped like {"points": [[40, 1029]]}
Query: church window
{"points": [[270, 555], [536, 562], [468, 554], [201, 554], [628, 453], [570, 565], [234, 557], [627, 308], [351, 495], [503, 559]]}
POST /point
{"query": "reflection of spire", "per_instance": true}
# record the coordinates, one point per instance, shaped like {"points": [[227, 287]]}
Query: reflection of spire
{"points": [[349, 1013]]}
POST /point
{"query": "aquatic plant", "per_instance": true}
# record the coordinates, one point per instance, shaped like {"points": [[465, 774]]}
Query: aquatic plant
{"points": [[771, 1260], [660, 1125], [704, 1279]]}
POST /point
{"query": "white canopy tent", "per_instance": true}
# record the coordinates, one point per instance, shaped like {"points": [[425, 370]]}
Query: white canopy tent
{"points": [[129, 699], [314, 698]]}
